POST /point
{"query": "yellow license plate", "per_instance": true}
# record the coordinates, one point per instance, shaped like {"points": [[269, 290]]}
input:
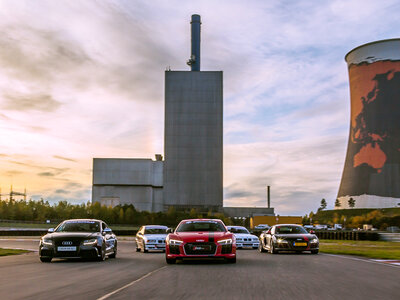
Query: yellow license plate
{"points": [[300, 244]]}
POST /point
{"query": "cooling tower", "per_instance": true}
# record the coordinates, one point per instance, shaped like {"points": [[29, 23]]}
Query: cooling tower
{"points": [[371, 174]]}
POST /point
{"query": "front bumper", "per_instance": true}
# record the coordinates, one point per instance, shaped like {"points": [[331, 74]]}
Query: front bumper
{"points": [[220, 251], [247, 244], [155, 246], [291, 247], [81, 252]]}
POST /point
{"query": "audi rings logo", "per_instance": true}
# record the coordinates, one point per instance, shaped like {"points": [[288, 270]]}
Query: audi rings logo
{"points": [[66, 243]]}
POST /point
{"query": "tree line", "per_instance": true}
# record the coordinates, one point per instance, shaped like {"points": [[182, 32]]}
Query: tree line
{"points": [[356, 218], [21, 210]]}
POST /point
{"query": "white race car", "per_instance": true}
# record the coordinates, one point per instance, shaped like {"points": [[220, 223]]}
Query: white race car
{"points": [[244, 239], [151, 237]]}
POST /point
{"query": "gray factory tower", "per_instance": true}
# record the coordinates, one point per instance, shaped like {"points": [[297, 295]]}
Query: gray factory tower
{"points": [[193, 134]]}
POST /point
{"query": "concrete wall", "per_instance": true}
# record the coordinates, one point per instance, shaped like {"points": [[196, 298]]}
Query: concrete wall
{"points": [[273, 220], [368, 201], [193, 139], [128, 181], [247, 211]]}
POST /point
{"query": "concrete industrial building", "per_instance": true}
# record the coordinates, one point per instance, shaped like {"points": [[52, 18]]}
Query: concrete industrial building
{"points": [[371, 174], [191, 175], [118, 181], [193, 140]]}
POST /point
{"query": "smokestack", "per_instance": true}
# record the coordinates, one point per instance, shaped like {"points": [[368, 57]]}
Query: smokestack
{"points": [[268, 197], [194, 61]]}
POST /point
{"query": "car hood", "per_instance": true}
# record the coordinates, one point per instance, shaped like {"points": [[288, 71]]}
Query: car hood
{"points": [[245, 236], [61, 235], [296, 236], [155, 236], [192, 237]]}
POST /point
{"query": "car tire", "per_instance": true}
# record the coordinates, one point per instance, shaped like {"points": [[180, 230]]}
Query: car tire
{"points": [[102, 253], [114, 255], [144, 248], [261, 248], [272, 249], [231, 260], [314, 251], [46, 259], [170, 261]]}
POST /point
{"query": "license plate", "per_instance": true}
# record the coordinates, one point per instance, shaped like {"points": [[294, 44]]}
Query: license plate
{"points": [[201, 248], [70, 248], [300, 244]]}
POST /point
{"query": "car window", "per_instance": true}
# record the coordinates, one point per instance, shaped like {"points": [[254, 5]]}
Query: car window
{"points": [[79, 226], [239, 230], [155, 231], [104, 225], [290, 230], [191, 226]]}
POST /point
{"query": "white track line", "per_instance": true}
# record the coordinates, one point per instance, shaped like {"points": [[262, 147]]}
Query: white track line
{"points": [[130, 284], [364, 260]]}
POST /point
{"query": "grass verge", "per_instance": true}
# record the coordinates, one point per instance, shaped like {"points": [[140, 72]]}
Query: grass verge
{"points": [[47, 226], [370, 249], [5, 252]]}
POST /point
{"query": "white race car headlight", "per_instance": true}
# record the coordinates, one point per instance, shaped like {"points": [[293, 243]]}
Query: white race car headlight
{"points": [[151, 241], [90, 242], [314, 241], [281, 241], [175, 242], [225, 242], [47, 242]]}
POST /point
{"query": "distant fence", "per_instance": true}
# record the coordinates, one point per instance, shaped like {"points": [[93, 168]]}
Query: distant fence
{"points": [[41, 232], [348, 235]]}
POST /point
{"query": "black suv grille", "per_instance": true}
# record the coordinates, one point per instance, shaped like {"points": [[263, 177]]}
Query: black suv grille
{"points": [[200, 248], [68, 241]]}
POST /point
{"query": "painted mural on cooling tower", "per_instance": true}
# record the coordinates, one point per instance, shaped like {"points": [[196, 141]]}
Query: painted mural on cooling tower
{"points": [[372, 163]]}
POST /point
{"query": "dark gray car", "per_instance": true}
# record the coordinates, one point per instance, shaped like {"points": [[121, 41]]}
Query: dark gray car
{"points": [[78, 238], [288, 237]]}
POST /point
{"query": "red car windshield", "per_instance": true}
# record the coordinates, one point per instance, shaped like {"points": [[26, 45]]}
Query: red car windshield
{"points": [[201, 226]]}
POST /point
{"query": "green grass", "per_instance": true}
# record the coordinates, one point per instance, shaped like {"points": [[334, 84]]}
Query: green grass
{"points": [[47, 226], [370, 249], [5, 252], [26, 225]]}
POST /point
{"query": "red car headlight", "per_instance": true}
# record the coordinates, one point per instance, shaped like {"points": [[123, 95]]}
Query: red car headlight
{"points": [[175, 242], [225, 242]]}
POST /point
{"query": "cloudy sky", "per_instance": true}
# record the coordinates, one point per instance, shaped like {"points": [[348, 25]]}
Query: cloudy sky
{"points": [[84, 79]]}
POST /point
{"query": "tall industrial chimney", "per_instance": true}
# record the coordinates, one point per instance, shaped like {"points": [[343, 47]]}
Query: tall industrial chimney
{"points": [[194, 61], [193, 135]]}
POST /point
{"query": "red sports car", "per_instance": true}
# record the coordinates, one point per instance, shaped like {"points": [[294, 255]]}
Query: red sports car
{"points": [[200, 238]]}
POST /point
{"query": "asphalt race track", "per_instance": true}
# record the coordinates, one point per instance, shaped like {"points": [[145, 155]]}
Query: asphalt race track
{"points": [[135, 275]]}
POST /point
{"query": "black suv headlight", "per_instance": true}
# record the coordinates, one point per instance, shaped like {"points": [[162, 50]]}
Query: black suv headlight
{"points": [[47, 242]]}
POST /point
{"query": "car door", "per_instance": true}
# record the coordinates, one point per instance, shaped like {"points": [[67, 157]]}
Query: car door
{"points": [[139, 237], [109, 237], [268, 237]]}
